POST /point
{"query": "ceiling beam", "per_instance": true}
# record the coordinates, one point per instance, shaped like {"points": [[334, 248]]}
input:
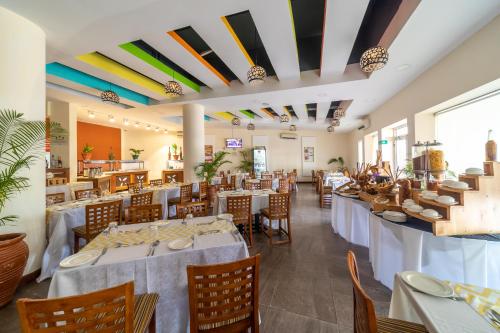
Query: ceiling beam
{"points": [[300, 110], [322, 111]]}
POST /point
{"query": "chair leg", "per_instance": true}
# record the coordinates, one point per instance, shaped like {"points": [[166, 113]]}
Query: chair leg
{"points": [[270, 232], [152, 323], [289, 229], [76, 245], [250, 233]]}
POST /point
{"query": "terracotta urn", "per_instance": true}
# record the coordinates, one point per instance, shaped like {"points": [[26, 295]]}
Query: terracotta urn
{"points": [[176, 157], [13, 257], [86, 156]]}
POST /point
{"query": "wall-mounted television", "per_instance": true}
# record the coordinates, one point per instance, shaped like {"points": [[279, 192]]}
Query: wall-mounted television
{"points": [[234, 143]]}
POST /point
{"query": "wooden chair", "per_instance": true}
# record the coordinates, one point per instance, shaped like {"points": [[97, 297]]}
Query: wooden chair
{"points": [[141, 199], [55, 198], [221, 174], [97, 218], [144, 213], [185, 196], [278, 173], [266, 176], [87, 194], [279, 210], [56, 181], [252, 186], [365, 320], [202, 194], [223, 180], [292, 181], [156, 182], [224, 297], [197, 209], [284, 186], [319, 179], [313, 177], [134, 188], [325, 194], [109, 310], [241, 208], [233, 182], [266, 184]]}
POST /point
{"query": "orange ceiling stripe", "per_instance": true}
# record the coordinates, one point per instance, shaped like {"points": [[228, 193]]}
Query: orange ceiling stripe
{"points": [[237, 40], [268, 113], [181, 41]]}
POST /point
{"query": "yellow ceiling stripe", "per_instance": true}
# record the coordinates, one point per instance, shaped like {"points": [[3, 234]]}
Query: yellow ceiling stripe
{"points": [[225, 115], [285, 110], [109, 65], [237, 40]]}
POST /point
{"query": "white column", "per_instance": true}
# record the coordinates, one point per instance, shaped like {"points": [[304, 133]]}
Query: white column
{"points": [[193, 141], [22, 88]]}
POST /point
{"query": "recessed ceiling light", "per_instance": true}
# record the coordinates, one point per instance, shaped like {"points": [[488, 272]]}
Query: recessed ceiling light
{"points": [[157, 129], [111, 119], [91, 114], [165, 131], [125, 122], [403, 67]]}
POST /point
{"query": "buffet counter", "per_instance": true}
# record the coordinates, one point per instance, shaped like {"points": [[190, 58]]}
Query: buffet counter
{"points": [[118, 180], [396, 247]]}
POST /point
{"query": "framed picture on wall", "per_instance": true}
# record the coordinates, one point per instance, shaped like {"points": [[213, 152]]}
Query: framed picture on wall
{"points": [[308, 154], [209, 153]]}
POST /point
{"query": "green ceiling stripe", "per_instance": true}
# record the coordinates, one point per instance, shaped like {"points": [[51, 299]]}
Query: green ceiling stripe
{"points": [[248, 114], [149, 59]]}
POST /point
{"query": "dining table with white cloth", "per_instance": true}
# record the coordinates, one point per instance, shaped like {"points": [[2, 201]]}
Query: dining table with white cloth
{"points": [[62, 218], [396, 247], [260, 200], [335, 180], [217, 180], [164, 272], [275, 183], [69, 189], [445, 315]]}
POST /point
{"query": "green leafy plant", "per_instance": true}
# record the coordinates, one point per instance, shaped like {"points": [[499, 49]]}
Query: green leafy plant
{"points": [[87, 149], [208, 170], [408, 170], [136, 152], [174, 147], [21, 144], [246, 163], [337, 160]]}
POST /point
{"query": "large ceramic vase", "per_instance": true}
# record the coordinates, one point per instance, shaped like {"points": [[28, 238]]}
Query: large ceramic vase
{"points": [[13, 256]]}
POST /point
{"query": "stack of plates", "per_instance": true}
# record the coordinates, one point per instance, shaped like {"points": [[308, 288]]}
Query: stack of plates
{"points": [[474, 171], [394, 216], [456, 184]]}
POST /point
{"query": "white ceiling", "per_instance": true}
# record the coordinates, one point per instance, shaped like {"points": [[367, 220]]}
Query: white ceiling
{"points": [[78, 27]]}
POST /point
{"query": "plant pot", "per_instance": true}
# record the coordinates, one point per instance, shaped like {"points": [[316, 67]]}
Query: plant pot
{"points": [[176, 157], [13, 257], [135, 157], [211, 194], [86, 156]]}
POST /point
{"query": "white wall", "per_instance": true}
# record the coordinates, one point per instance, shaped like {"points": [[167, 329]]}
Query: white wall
{"points": [[472, 64], [22, 87]]}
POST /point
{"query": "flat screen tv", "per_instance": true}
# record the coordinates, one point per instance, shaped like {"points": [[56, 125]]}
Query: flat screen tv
{"points": [[234, 143]]}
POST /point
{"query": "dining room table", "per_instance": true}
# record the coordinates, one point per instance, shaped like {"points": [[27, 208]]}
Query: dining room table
{"points": [[275, 183], [217, 180], [448, 307], [155, 256], [260, 199], [68, 189], [63, 217]]}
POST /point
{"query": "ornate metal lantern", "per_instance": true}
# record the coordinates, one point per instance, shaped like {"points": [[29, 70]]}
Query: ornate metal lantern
{"points": [[373, 59]]}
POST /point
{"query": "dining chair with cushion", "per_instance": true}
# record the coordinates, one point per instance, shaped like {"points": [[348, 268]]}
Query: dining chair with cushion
{"points": [[284, 186], [186, 196], [278, 210], [97, 218], [365, 319], [55, 198], [266, 184], [109, 310], [241, 208], [224, 297], [87, 194], [145, 198], [144, 213], [197, 209], [202, 194], [325, 194], [156, 182]]}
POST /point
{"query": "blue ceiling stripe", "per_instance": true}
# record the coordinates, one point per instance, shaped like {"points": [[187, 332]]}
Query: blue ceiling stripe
{"points": [[82, 78]]}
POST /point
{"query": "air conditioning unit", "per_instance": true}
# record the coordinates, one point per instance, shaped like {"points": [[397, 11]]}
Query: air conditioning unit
{"points": [[180, 134], [288, 136], [365, 123]]}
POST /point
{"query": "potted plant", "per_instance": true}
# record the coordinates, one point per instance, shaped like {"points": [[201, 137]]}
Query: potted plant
{"points": [[136, 153], [246, 163], [208, 170], [87, 152], [21, 144], [340, 161], [174, 147]]}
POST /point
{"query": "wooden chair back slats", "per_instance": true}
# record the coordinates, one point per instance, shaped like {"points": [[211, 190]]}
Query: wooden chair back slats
{"points": [[87, 194], [55, 198], [141, 199], [279, 205], [98, 216], [266, 184], [56, 181], [266, 176], [241, 208], [186, 193], [197, 209], [108, 310], [252, 186], [292, 181], [156, 182], [145, 213], [224, 297], [203, 186], [284, 185], [223, 187], [233, 182], [134, 188], [365, 320]]}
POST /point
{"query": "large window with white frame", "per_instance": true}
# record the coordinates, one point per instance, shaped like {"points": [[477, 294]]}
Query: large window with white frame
{"points": [[360, 152]]}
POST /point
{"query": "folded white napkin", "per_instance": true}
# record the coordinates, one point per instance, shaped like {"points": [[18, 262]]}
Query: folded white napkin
{"points": [[124, 253]]}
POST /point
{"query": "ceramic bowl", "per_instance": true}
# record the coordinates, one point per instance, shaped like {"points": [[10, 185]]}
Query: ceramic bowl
{"points": [[415, 208], [430, 213], [409, 201], [445, 199], [474, 171]]}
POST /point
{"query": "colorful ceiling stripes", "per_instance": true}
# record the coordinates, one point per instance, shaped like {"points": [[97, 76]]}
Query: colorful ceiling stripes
{"points": [[70, 74], [225, 115], [237, 40], [248, 113]]}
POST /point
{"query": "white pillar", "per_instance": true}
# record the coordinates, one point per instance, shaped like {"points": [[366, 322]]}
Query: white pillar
{"points": [[193, 141], [22, 88]]}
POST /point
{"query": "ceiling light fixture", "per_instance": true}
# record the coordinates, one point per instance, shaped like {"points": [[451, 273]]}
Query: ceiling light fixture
{"points": [[251, 127], [110, 97], [148, 127], [338, 113], [165, 131], [125, 122], [236, 121], [293, 128], [335, 122], [284, 118], [256, 74], [173, 88], [111, 119], [330, 129], [157, 129], [91, 114], [136, 124], [373, 59]]}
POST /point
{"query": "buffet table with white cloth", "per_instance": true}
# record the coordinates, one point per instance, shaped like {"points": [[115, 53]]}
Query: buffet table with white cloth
{"points": [[164, 272], [260, 200], [62, 218], [69, 189], [335, 181], [444, 315], [396, 247]]}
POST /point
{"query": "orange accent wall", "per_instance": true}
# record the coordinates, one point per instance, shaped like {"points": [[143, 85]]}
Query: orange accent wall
{"points": [[99, 137]]}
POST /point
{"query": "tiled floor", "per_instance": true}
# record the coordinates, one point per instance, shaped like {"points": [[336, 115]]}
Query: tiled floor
{"points": [[304, 287]]}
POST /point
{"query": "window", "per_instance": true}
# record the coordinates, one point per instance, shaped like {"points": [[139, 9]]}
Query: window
{"points": [[400, 146], [360, 152], [371, 147]]}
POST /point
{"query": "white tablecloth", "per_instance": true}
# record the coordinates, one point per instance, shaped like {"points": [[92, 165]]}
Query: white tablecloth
{"points": [[335, 181], [395, 248], [69, 189], [259, 201], [439, 315], [239, 179], [275, 184], [164, 273]]}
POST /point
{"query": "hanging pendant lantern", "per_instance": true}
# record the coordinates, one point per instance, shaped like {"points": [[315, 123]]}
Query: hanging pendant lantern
{"points": [[373, 59], [110, 97], [256, 75], [335, 122], [236, 121], [292, 128], [173, 89], [251, 127], [338, 113], [330, 129], [284, 118]]}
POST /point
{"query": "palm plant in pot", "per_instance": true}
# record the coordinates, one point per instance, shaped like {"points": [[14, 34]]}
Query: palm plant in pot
{"points": [[87, 152], [339, 161], [21, 144], [246, 163], [208, 170], [135, 153]]}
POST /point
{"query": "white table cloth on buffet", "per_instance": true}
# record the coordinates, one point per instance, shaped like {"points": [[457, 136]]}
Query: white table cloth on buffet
{"points": [[439, 315], [395, 248], [164, 273], [69, 189], [260, 199], [62, 218], [335, 181]]}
